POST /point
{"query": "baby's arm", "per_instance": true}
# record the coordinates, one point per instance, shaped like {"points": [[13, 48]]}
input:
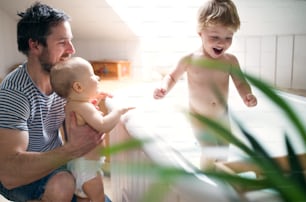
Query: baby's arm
{"points": [[112, 118], [170, 80], [96, 120]]}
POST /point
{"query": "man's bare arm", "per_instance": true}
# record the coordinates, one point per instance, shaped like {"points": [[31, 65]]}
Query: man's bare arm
{"points": [[20, 167]]}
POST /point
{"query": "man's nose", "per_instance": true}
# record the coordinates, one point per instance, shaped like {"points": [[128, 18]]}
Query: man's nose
{"points": [[70, 48]]}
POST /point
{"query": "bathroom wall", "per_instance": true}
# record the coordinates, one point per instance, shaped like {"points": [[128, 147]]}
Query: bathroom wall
{"points": [[9, 54], [278, 59], [269, 43]]}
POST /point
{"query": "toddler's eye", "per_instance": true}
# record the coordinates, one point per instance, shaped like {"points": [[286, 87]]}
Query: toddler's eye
{"points": [[214, 37]]}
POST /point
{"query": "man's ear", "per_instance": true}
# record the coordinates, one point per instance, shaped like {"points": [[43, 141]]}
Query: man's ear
{"points": [[34, 45], [77, 87]]}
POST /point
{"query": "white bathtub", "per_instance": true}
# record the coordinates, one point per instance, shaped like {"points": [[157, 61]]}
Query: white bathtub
{"points": [[268, 123], [174, 143]]}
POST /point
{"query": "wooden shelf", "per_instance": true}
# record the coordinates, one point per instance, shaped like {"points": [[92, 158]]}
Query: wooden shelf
{"points": [[112, 69]]}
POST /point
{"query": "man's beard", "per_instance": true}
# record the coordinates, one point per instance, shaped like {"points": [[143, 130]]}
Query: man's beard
{"points": [[46, 67], [44, 61]]}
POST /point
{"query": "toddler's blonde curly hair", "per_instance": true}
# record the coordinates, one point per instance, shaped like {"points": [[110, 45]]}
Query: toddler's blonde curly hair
{"points": [[223, 12]]}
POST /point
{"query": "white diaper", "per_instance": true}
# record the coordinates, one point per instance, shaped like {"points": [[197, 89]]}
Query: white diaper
{"points": [[84, 170]]}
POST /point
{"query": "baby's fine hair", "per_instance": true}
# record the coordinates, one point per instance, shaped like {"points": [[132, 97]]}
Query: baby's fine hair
{"points": [[223, 12], [64, 74]]}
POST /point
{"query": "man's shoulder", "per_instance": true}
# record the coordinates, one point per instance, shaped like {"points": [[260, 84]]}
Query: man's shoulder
{"points": [[17, 80]]}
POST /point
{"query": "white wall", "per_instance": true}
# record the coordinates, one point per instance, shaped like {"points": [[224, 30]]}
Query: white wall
{"points": [[272, 17], [9, 54], [278, 59], [269, 44], [271, 40], [146, 54], [109, 50]]}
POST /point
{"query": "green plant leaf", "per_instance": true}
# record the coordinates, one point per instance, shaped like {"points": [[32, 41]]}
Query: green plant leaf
{"points": [[239, 181], [127, 145], [281, 103], [272, 171], [290, 188], [222, 132], [296, 172]]}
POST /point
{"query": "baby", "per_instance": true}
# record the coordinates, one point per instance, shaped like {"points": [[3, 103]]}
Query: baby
{"points": [[74, 79], [218, 20]]}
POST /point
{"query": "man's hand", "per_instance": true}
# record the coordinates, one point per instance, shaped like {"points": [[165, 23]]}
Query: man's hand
{"points": [[81, 139]]}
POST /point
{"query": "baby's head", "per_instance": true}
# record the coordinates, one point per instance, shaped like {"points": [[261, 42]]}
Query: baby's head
{"points": [[221, 12], [65, 74]]}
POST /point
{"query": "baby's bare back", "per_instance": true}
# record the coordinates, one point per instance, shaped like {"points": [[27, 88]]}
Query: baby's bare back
{"points": [[76, 107]]}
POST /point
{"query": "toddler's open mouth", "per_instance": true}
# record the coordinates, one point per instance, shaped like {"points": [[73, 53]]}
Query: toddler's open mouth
{"points": [[218, 51]]}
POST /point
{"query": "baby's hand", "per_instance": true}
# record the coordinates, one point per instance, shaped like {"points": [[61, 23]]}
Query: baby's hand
{"points": [[126, 109], [250, 100], [103, 95], [159, 93]]}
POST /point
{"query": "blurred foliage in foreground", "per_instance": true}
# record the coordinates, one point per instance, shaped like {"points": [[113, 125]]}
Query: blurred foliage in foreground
{"points": [[290, 184]]}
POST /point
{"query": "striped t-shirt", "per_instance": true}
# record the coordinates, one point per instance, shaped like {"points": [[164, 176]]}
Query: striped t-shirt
{"points": [[24, 107]]}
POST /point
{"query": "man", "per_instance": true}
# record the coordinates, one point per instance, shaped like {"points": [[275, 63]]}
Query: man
{"points": [[32, 156]]}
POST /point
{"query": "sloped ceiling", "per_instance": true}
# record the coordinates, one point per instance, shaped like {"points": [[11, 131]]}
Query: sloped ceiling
{"points": [[97, 19], [91, 19]]}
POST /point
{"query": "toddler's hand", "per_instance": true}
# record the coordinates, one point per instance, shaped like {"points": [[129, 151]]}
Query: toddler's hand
{"points": [[159, 93], [250, 100]]}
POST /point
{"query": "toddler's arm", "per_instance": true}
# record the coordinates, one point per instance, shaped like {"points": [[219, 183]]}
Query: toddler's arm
{"points": [[170, 80], [160, 92], [243, 87]]}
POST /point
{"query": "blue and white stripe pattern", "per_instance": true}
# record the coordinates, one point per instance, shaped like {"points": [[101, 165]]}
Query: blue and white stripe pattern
{"points": [[24, 107]]}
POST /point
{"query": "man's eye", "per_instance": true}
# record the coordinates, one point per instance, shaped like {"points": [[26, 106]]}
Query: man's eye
{"points": [[62, 42]]}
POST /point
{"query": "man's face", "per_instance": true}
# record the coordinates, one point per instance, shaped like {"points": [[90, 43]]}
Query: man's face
{"points": [[59, 46]]}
